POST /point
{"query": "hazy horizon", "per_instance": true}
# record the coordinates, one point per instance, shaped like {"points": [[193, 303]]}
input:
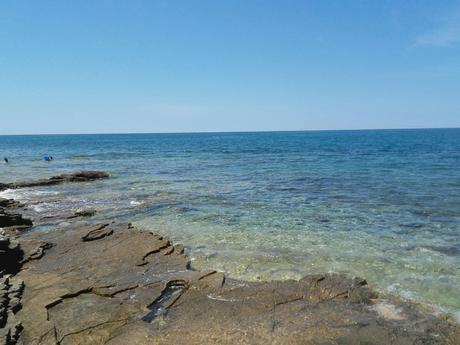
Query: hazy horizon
{"points": [[240, 131]]}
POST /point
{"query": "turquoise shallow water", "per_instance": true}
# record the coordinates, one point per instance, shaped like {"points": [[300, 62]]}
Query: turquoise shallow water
{"points": [[384, 205]]}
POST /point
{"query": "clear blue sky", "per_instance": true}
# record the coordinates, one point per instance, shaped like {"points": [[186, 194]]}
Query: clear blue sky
{"points": [[172, 66]]}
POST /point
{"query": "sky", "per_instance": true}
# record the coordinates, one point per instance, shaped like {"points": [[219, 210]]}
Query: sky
{"points": [[197, 65]]}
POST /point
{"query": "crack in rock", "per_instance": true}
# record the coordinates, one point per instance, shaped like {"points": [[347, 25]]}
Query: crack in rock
{"points": [[125, 321], [173, 290], [143, 261]]}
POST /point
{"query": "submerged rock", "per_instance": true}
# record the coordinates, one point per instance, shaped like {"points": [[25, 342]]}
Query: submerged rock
{"points": [[81, 176], [64, 215], [84, 213]]}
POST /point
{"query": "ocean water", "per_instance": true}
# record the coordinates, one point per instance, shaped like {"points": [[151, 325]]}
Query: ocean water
{"points": [[380, 204]]}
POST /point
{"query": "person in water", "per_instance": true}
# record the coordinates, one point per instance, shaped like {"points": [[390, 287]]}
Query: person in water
{"points": [[6, 160]]}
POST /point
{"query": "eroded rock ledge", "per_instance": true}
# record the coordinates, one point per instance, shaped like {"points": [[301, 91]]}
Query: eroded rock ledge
{"points": [[11, 289], [80, 176], [12, 223], [113, 284]]}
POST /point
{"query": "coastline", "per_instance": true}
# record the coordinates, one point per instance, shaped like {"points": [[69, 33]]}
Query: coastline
{"points": [[109, 283]]}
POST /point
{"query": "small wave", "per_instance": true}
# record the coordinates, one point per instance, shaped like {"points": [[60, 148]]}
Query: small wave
{"points": [[9, 194], [42, 192], [135, 202], [24, 194], [397, 289], [38, 208]]}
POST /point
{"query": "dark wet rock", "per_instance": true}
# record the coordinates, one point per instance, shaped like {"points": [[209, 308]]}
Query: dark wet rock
{"points": [[10, 203], [11, 255], [84, 213], [64, 215], [10, 303], [81, 176], [8, 219], [16, 288], [4, 242], [135, 287], [169, 295], [412, 225], [14, 304]]}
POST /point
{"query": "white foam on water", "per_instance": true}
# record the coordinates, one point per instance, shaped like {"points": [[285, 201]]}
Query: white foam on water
{"points": [[396, 288], [135, 202], [24, 194], [38, 208], [42, 192], [9, 194]]}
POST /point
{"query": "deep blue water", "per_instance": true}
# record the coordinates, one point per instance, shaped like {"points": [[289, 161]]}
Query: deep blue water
{"points": [[382, 204]]}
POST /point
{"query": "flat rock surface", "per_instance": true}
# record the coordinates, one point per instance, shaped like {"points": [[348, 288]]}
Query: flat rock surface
{"points": [[116, 285]]}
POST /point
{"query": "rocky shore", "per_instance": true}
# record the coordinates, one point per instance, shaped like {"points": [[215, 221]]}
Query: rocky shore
{"points": [[110, 283]]}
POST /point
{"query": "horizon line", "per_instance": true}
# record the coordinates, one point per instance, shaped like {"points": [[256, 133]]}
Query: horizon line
{"points": [[237, 131]]}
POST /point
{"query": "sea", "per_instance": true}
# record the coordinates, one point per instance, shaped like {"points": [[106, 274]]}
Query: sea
{"points": [[379, 204]]}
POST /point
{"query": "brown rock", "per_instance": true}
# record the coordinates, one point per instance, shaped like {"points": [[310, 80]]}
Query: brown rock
{"points": [[97, 232], [39, 251], [122, 289], [81, 176]]}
